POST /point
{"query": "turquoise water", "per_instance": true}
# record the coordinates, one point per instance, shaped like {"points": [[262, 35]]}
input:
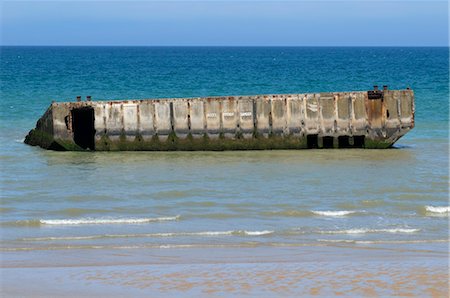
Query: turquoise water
{"points": [[131, 200]]}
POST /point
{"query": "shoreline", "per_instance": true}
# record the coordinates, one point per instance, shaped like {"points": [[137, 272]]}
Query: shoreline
{"points": [[415, 270]]}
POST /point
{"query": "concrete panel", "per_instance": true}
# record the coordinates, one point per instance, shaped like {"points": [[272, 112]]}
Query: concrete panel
{"points": [[327, 105], [312, 113], [344, 117], [359, 106], [374, 112], [213, 116], [327, 112], [162, 117], [344, 102], [245, 108], [263, 110], [130, 118], [406, 106], [114, 119], [391, 104], [146, 114], [54, 121], [99, 120], [278, 114], [180, 117], [294, 114], [230, 118], [197, 116], [359, 113]]}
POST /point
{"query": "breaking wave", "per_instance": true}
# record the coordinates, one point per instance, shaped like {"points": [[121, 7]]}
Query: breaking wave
{"points": [[95, 221], [256, 233], [442, 210], [334, 213], [89, 221], [308, 213]]}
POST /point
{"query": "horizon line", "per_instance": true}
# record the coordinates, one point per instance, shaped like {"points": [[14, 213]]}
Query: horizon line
{"points": [[236, 46]]}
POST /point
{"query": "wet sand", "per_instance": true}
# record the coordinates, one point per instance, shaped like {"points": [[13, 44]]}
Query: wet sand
{"points": [[403, 270]]}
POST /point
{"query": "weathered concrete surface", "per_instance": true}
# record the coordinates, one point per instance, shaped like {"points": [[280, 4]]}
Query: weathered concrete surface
{"points": [[372, 119]]}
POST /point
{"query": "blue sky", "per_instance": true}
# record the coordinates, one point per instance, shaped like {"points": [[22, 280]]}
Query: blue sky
{"points": [[232, 23]]}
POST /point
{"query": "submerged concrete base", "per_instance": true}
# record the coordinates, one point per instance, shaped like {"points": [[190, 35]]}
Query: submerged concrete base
{"points": [[174, 143], [373, 119]]}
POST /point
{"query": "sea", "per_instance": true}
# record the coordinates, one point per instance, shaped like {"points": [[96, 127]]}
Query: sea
{"points": [[224, 210]]}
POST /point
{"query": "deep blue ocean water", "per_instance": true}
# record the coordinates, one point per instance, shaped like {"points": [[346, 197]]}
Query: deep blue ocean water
{"points": [[67, 200]]}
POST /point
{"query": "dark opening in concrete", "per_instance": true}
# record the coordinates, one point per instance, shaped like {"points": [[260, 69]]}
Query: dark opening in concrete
{"points": [[327, 142], [344, 142], [83, 127], [312, 141], [358, 141]]}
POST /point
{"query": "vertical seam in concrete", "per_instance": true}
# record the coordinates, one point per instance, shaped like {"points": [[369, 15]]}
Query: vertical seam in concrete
{"points": [[205, 119], [122, 118], [104, 119], [172, 124], [155, 126], [255, 121], [304, 115], [189, 115], [220, 116], [336, 98], [52, 117], [350, 112], [270, 117], [237, 112], [286, 116], [138, 116], [319, 113], [366, 105]]}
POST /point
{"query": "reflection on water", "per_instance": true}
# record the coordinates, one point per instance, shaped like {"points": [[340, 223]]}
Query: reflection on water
{"points": [[316, 157]]}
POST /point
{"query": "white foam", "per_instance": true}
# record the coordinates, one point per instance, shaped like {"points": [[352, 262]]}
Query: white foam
{"points": [[95, 221], [440, 210], [150, 235], [165, 246], [208, 233], [333, 213], [257, 233], [399, 230], [215, 233], [60, 238], [365, 231]]}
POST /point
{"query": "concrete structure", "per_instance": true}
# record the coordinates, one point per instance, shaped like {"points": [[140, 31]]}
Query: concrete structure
{"points": [[370, 119]]}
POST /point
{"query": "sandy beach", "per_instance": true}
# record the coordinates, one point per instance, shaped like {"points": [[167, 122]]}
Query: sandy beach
{"points": [[317, 271]]}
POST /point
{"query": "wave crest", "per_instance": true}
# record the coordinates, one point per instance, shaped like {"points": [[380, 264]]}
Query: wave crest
{"points": [[366, 231], [438, 210], [154, 235], [95, 221], [334, 213]]}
